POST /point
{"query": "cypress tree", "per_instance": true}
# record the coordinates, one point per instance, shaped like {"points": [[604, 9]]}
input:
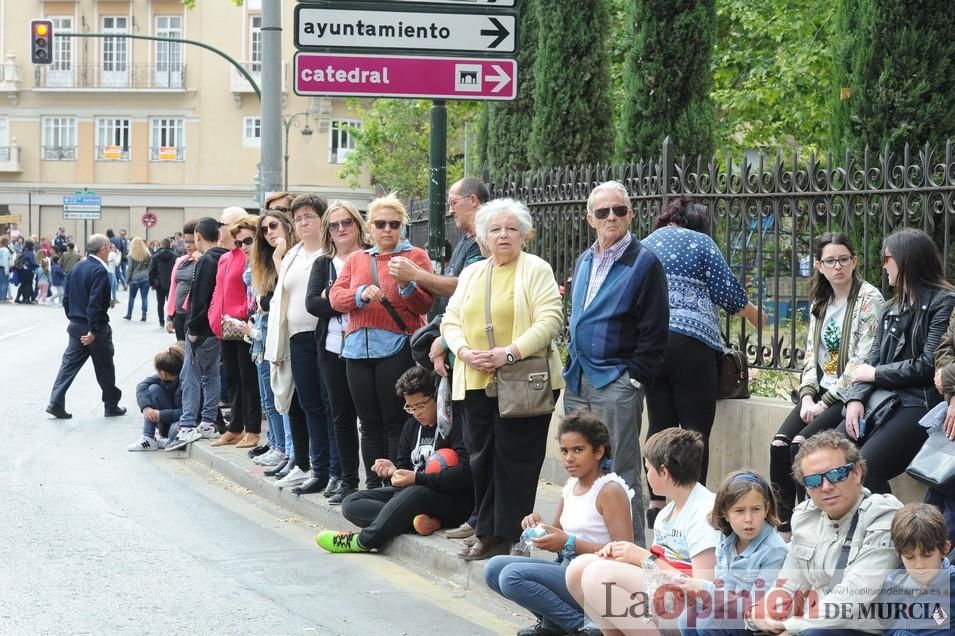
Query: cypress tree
{"points": [[573, 118], [509, 123], [902, 82], [667, 79]]}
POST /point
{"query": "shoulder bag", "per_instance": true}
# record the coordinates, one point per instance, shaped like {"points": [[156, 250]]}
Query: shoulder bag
{"points": [[734, 375], [384, 301], [522, 388], [934, 464]]}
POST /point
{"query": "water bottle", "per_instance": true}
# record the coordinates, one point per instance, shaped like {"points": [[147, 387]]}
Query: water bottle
{"points": [[527, 538]]}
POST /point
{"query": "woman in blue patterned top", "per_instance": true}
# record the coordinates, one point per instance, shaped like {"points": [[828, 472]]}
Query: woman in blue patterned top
{"points": [[699, 279]]}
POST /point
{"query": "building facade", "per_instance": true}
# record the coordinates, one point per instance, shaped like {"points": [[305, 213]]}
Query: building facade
{"points": [[163, 127]]}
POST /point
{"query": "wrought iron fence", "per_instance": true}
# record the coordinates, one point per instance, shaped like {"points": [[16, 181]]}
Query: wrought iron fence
{"points": [[112, 76], [766, 215]]}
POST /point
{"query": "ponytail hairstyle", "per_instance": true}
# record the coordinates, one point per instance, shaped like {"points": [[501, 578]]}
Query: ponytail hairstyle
{"points": [[171, 360], [820, 291]]}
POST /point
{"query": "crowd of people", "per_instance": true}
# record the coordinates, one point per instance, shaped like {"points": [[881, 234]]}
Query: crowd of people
{"points": [[316, 318]]}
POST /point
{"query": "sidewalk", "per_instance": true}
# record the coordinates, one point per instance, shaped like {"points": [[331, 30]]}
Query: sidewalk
{"points": [[435, 554]]}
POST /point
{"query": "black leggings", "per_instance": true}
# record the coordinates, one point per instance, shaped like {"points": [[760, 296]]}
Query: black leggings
{"points": [[889, 449], [179, 326], [685, 393], [243, 381], [783, 451], [343, 415], [380, 410], [161, 295], [25, 290], [384, 513]]}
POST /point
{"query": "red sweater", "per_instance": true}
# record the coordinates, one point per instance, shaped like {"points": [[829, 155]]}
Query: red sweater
{"points": [[229, 297], [357, 273]]}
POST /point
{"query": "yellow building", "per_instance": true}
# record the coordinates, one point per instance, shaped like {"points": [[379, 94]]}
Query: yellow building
{"points": [[150, 126]]}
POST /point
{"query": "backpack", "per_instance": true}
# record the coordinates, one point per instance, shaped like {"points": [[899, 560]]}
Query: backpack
{"points": [[20, 262]]}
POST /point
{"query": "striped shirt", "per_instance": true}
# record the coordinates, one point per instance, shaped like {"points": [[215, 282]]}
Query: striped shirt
{"points": [[602, 263]]}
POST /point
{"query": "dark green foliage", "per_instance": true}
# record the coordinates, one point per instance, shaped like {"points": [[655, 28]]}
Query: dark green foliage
{"points": [[573, 117], [509, 123], [901, 74], [667, 79]]}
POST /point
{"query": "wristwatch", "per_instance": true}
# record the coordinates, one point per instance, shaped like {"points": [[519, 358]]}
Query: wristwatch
{"points": [[509, 356], [570, 546]]}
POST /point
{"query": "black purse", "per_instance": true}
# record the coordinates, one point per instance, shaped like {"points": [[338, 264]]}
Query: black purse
{"points": [[734, 375]]}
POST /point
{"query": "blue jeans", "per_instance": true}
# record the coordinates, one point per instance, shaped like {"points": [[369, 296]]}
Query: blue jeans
{"points": [[142, 288], [161, 400], [113, 284], [200, 383], [323, 447], [536, 585], [276, 421], [4, 283]]}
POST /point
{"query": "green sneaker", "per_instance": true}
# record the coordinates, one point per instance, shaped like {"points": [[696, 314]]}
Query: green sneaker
{"points": [[339, 541]]}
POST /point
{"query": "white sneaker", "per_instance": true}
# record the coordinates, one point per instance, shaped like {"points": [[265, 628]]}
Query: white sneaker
{"points": [[145, 444], [162, 441], [187, 435], [294, 478], [264, 457], [271, 458], [208, 431]]}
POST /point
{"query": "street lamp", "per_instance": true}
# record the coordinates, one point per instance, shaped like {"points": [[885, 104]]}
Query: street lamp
{"points": [[289, 122]]}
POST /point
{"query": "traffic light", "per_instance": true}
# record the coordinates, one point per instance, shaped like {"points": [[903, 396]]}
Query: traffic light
{"points": [[41, 42]]}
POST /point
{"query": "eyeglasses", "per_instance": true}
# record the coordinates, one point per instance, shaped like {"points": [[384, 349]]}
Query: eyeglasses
{"points": [[618, 210], [833, 476], [417, 408], [380, 224], [842, 261], [271, 225], [344, 223], [282, 209], [246, 241], [305, 218], [453, 201]]}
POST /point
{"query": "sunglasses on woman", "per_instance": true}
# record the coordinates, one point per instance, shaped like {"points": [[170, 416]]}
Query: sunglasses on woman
{"points": [[833, 476], [380, 224], [271, 225], [618, 210], [246, 241], [344, 223]]}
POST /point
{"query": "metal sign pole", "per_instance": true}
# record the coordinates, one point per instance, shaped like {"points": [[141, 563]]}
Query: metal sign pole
{"points": [[437, 184]]}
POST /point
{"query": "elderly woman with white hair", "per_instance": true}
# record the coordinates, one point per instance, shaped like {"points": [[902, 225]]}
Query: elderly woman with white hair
{"points": [[519, 293]]}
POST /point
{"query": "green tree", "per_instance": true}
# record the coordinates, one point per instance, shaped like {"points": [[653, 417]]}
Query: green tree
{"points": [[902, 78], [667, 79], [191, 4], [392, 144], [509, 123], [772, 72], [572, 113]]}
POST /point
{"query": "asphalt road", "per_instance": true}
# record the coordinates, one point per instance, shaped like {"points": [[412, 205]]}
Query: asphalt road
{"points": [[97, 540]]}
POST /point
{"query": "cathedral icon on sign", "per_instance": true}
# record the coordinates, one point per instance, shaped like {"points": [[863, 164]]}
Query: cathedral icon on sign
{"points": [[467, 77]]}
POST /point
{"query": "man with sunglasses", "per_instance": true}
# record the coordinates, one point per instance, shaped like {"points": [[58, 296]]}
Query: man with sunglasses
{"points": [[841, 547], [620, 311]]}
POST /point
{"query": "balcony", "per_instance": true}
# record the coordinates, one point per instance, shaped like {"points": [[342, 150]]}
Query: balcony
{"points": [[167, 153], [58, 153], [239, 85], [10, 158], [112, 153], [112, 77]]}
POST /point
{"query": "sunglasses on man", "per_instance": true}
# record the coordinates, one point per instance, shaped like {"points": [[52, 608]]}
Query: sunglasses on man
{"points": [[833, 476], [618, 211]]}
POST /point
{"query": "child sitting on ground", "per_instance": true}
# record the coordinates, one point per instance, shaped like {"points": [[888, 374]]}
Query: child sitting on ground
{"points": [[606, 584], [920, 537], [747, 560], [417, 499], [160, 400]]}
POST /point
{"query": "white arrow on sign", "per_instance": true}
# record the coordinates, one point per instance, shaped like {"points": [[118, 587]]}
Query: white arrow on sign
{"points": [[378, 28], [502, 78]]}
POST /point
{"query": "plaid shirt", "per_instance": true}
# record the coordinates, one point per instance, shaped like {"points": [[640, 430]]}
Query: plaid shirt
{"points": [[602, 263]]}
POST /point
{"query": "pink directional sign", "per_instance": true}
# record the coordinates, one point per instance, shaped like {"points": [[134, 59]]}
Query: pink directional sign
{"points": [[405, 76]]}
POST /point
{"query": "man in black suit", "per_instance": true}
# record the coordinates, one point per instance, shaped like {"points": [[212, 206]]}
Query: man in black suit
{"points": [[86, 301]]}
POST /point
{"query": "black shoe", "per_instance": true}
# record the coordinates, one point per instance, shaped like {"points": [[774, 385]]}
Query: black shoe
{"points": [[127, 317], [334, 485], [258, 450], [58, 412], [114, 411], [285, 471], [275, 470], [339, 496], [311, 486], [541, 630]]}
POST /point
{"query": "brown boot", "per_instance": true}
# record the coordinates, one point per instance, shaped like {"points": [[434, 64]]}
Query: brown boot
{"points": [[250, 440], [227, 439]]}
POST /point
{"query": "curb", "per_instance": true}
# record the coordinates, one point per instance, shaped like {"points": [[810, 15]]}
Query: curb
{"points": [[434, 554]]}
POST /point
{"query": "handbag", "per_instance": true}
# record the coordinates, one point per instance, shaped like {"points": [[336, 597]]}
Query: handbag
{"points": [[231, 329], [734, 375], [879, 408], [522, 388], [934, 464], [385, 302]]}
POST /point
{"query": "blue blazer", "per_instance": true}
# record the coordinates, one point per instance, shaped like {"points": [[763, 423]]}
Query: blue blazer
{"points": [[86, 295]]}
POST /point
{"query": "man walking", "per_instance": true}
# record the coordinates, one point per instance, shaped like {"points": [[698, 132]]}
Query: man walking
{"points": [[86, 301], [619, 319], [70, 258]]}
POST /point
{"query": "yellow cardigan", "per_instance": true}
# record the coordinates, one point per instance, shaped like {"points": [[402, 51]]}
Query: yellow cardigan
{"points": [[538, 315]]}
